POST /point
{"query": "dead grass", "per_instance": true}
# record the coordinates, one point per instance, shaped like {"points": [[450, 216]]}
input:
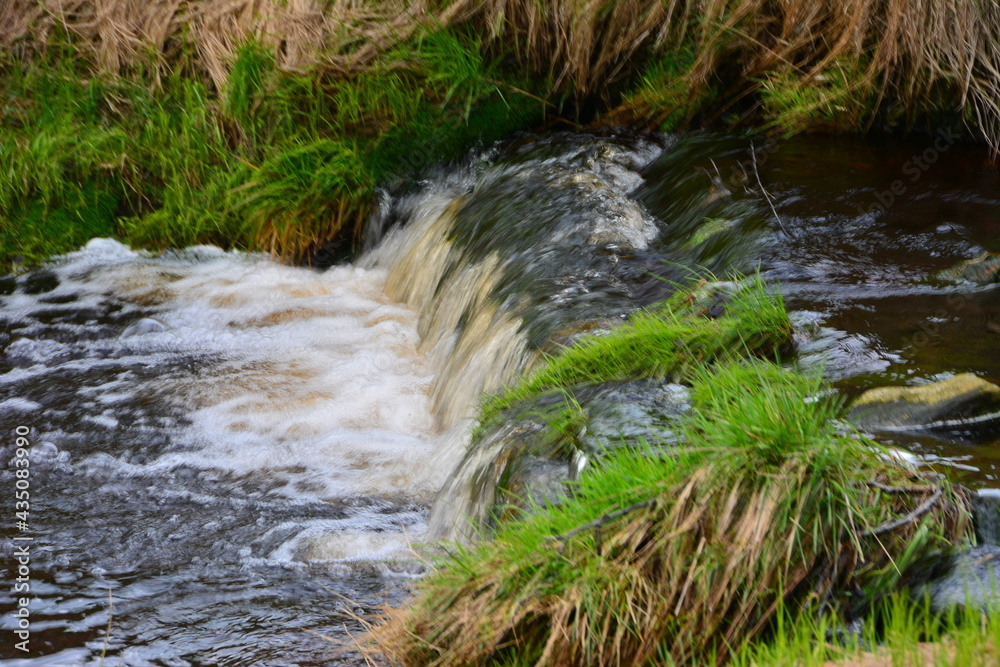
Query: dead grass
{"points": [[907, 57], [584, 46], [796, 60], [119, 35], [701, 570]]}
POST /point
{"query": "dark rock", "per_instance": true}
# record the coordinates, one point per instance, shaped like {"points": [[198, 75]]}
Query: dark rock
{"points": [[964, 407], [986, 515], [39, 282], [7, 285], [517, 466], [633, 412]]}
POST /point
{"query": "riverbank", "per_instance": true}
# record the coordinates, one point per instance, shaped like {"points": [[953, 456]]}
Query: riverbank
{"points": [[273, 127]]}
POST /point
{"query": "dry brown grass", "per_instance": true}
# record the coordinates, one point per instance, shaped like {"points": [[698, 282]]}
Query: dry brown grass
{"points": [[911, 53], [912, 56], [121, 34], [584, 45]]}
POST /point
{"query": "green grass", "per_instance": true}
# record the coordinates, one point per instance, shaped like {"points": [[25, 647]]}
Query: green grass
{"points": [[277, 161], [685, 557], [898, 631]]}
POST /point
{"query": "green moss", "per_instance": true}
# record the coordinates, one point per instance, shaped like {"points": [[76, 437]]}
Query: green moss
{"points": [[666, 341]]}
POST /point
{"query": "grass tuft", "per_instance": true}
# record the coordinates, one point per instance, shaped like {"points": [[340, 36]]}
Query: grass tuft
{"points": [[306, 195]]}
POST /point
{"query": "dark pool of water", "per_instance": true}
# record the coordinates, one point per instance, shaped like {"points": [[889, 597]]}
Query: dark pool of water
{"points": [[858, 231]]}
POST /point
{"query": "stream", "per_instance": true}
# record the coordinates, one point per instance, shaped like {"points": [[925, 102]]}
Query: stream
{"points": [[233, 462]]}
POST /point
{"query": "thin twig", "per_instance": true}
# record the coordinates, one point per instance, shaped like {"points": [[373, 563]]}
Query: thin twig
{"points": [[597, 523], [753, 153], [922, 509], [901, 489]]}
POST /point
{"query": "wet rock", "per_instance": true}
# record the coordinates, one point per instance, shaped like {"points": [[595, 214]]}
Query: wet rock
{"points": [[633, 413], [982, 270], [969, 578], [518, 466], [39, 282], [539, 482], [709, 229], [7, 285], [964, 407]]}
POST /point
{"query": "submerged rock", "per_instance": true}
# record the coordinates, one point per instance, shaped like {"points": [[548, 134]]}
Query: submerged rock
{"points": [[982, 270], [146, 325], [710, 228], [969, 578], [964, 407]]}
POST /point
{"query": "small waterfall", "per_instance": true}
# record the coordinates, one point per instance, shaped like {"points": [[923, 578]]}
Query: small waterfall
{"points": [[503, 258], [219, 439]]}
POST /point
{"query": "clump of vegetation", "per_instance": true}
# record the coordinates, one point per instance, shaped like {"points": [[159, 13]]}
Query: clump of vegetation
{"points": [[835, 65], [683, 559], [898, 631]]}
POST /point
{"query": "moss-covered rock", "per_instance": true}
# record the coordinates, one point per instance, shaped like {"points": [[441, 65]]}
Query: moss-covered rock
{"points": [[982, 270], [964, 406]]}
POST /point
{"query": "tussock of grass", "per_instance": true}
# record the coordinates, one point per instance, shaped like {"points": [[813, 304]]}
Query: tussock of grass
{"points": [[668, 341], [305, 195], [684, 559]]}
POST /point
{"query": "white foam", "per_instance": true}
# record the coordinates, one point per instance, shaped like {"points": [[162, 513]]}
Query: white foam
{"points": [[18, 405], [313, 376]]}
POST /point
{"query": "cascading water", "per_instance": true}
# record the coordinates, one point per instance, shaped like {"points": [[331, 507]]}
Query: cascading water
{"points": [[243, 455], [205, 426]]}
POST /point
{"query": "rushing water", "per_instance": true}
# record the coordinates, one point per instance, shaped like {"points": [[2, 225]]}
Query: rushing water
{"points": [[242, 456]]}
